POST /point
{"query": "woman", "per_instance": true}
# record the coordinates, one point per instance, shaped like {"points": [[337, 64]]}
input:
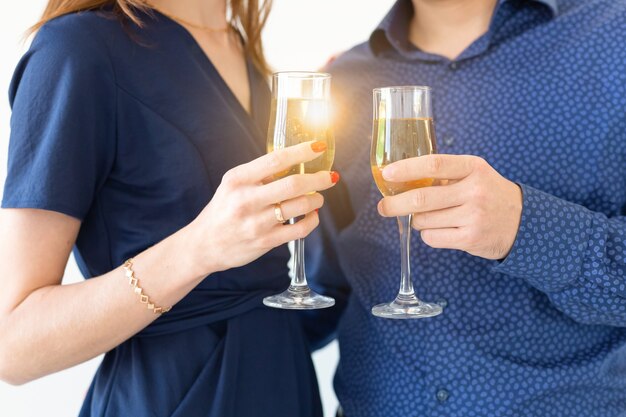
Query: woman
{"points": [[132, 129]]}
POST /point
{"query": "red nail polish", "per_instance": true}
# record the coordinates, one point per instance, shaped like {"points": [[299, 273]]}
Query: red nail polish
{"points": [[317, 211], [318, 146], [334, 177]]}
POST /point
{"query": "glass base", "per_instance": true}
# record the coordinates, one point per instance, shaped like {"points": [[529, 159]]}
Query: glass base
{"points": [[299, 298], [407, 307]]}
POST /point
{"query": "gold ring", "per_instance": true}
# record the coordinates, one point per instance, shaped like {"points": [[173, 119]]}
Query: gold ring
{"points": [[278, 212]]}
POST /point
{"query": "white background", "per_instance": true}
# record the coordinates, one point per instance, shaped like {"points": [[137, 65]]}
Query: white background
{"points": [[301, 35]]}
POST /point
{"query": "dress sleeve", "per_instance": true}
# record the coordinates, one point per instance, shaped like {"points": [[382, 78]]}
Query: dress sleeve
{"points": [[63, 133]]}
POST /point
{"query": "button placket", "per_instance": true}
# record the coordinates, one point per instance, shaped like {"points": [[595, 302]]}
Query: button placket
{"points": [[442, 395]]}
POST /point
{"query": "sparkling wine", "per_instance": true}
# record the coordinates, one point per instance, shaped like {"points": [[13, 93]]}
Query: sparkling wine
{"points": [[388, 188], [300, 113], [397, 139], [403, 128], [297, 120]]}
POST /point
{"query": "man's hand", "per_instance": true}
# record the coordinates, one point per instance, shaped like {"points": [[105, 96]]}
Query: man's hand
{"points": [[477, 211]]}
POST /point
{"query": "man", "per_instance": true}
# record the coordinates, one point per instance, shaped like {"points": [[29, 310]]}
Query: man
{"points": [[525, 247]]}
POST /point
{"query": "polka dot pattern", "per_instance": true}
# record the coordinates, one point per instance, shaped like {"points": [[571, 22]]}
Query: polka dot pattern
{"points": [[541, 97]]}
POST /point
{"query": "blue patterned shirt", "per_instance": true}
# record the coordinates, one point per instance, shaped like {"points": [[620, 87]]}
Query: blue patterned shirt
{"points": [[542, 97]]}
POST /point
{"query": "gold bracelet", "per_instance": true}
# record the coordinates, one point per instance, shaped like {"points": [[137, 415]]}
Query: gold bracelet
{"points": [[143, 298]]}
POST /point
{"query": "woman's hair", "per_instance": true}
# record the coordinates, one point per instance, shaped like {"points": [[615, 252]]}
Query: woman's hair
{"points": [[248, 16]]}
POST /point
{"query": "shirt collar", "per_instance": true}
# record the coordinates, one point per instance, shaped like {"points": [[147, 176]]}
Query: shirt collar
{"points": [[552, 4], [392, 30]]}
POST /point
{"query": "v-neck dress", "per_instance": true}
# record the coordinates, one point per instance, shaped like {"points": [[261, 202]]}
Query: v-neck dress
{"points": [[130, 130]]}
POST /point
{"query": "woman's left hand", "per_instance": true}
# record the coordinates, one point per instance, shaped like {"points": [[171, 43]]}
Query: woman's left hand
{"points": [[477, 211]]}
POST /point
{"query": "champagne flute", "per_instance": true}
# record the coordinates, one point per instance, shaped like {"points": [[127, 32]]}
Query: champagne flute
{"points": [[301, 113], [403, 128]]}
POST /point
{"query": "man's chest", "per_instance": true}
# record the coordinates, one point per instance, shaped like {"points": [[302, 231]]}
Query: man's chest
{"points": [[527, 112]]}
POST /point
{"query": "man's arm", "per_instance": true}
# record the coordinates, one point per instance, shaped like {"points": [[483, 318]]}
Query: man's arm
{"points": [[574, 255]]}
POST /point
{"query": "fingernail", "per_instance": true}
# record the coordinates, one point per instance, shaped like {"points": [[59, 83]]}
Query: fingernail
{"points": [[317, 211], [388, 172], [318, 146], [334, 177]]}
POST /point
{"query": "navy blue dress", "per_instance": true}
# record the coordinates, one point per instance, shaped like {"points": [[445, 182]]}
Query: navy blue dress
{"points": [[130, 130]]}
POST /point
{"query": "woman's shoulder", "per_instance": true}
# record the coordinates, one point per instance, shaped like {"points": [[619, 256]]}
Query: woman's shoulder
{"points": [[83, 39], [101, 38], [80, 39], [75, 45], [80, 29]]}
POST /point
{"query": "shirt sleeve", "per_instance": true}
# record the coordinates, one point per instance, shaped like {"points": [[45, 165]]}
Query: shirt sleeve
{"points": [[323, 270], [62, 141], [574, 255]]}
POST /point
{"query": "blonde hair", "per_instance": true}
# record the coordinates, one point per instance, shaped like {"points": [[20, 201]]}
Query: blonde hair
{"points": [[249, 16]]}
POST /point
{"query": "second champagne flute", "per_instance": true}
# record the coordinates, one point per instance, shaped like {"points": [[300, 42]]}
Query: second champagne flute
{"points": [[301, 113], [403, 128]]}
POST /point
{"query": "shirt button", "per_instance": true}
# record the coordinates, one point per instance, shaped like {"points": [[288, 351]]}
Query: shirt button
{"points": [[442, 302], [442, 395], [448, 140], [453, 65]]}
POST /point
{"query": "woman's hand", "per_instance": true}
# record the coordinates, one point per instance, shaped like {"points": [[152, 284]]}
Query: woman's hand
{"points": [[239, 224], [478, 211], [236, 227]]}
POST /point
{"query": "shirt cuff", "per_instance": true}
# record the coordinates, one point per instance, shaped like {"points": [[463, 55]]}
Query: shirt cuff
{"points": [[550, 246]]}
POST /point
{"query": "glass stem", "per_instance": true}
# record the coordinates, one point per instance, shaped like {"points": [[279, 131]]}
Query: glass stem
{"points": [[406, 285], [298, 282]]}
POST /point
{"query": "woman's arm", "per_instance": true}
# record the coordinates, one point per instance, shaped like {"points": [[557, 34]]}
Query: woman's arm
{"points": [[46, 327]]}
